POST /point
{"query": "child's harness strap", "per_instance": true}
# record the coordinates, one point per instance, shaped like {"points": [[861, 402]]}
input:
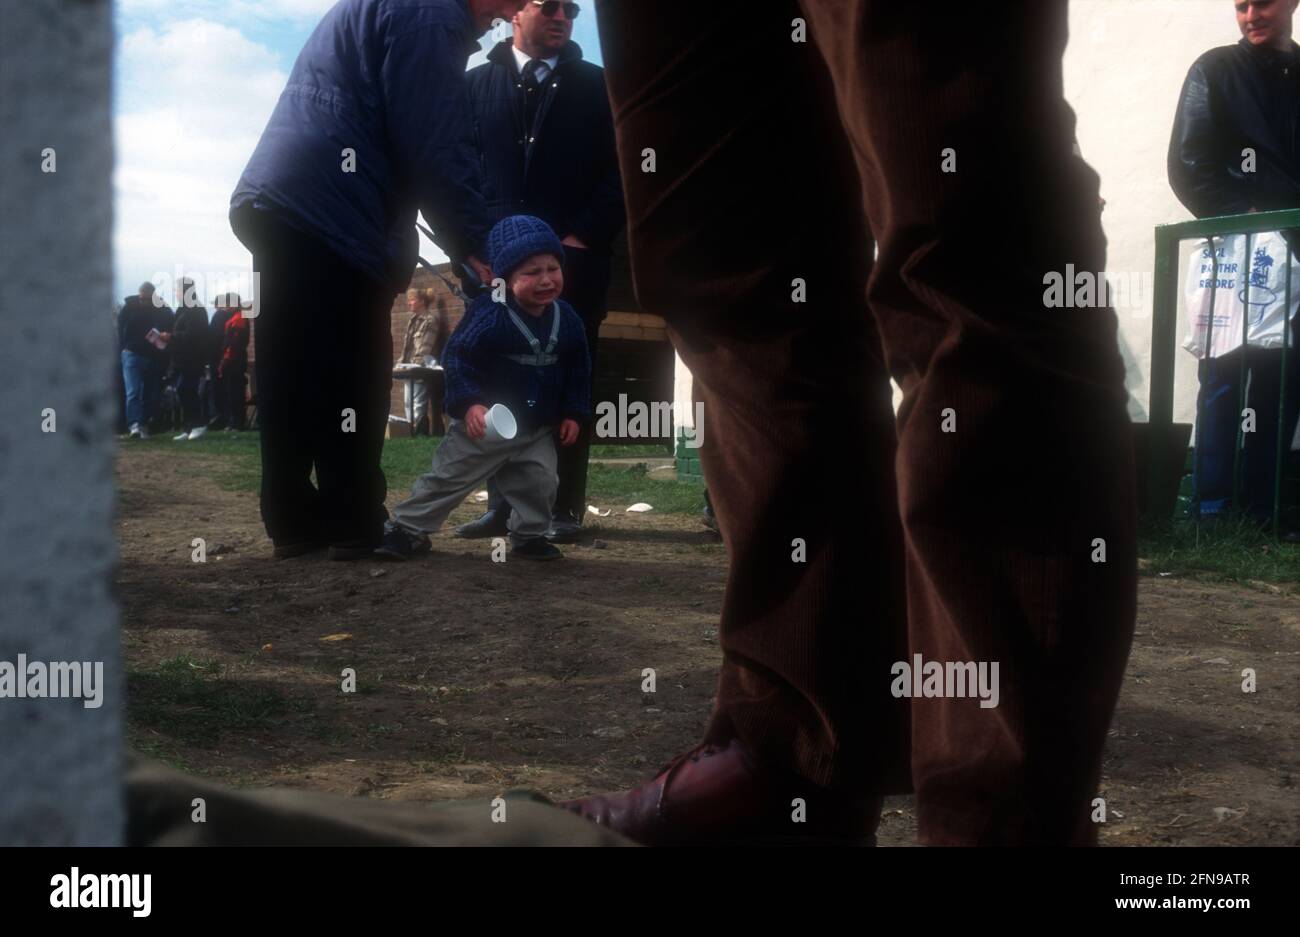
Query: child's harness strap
{"points": [[538, 358]]}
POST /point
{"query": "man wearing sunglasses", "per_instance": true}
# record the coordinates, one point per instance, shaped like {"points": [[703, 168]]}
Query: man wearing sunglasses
{"points": [[546, 147]]}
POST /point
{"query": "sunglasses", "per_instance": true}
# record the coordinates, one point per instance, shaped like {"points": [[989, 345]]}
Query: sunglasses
{"points": [[551, 7]]}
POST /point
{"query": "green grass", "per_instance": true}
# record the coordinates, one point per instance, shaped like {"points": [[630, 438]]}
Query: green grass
{"points": [[1226, 551], [188, 701], [613, 487], [240, 467], [1230, 550], [659, 451]]}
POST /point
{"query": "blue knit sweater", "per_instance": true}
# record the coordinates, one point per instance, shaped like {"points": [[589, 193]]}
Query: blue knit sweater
{"points": [[478, 371]]}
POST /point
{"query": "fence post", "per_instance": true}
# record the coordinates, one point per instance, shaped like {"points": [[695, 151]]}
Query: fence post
{"points": [[1164, 320], [60, 760], [1284, 431]]}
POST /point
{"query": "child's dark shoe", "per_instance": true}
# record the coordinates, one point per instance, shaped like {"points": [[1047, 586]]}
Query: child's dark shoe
{"points": [[535, 548]]}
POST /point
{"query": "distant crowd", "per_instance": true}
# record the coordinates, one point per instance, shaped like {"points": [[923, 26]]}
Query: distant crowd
{"points": [[183, 371]]}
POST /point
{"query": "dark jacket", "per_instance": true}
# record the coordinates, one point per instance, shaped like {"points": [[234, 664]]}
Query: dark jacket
{"points": [[1237, 97], [191, 344], [385, 78], [135, 321], [564, 169], [217, 326], [478, 370]]}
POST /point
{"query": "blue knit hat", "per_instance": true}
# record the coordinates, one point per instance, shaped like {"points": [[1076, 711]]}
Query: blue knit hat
{"points": [[513, 240]]}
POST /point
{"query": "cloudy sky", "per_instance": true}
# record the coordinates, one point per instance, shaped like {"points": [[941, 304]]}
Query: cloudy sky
{"points": [[195, 83]]}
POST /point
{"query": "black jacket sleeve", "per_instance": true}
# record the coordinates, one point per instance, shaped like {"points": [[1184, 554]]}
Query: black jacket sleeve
{"points": [[575, 403], [1199, 153], [603, 216]]}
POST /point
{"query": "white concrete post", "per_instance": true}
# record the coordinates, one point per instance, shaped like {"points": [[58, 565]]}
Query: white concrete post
{"points": [[60, 762]]}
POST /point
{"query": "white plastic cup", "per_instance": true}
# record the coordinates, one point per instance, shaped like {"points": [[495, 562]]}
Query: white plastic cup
{"points": [[500, 423]]}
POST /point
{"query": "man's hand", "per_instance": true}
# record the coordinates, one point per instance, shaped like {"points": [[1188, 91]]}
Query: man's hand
{"points": [[573, 240], [482, 270], [476, 421], [569, 430]]}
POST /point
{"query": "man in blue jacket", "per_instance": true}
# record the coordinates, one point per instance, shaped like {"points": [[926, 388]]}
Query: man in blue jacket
{"points": [[372, 126], [545, 139]]}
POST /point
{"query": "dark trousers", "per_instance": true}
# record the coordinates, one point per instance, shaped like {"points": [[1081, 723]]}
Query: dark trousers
{"points": [[187, 389], [777, 165], [1219, 417], [323, 362], [121, 426], [233, 389], [142, 379], [586, 286], [214, 404]]}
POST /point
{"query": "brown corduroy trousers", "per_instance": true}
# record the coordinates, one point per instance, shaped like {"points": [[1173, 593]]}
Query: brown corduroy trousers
{"points": [[992, 520]]}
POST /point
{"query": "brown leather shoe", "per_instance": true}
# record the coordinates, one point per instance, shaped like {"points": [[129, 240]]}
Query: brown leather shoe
{"points": [[716, 795]]}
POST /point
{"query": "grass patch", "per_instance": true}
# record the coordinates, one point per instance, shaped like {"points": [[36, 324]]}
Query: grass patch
{"points": [[404, 460], [655, 451], [1229, 550], [614, 488], [188, 701], [239, 455]]}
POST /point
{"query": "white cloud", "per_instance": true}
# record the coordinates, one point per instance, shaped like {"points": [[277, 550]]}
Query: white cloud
{"points": [[226, 9], [195, 96]]}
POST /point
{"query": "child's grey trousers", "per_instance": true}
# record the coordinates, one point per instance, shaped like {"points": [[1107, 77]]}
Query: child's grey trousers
{"points": [[525, 472]]}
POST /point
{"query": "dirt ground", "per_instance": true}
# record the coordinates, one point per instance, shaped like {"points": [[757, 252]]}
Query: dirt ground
{"points": [[475, 678]]}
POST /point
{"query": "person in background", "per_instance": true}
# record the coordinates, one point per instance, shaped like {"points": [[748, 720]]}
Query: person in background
{"points": [[528, 354], [143, 362], [545, 137], [190, 347], [216, 403], [372, 128], [233, 366], [1236, 97], [119, 423], [426, 337]]}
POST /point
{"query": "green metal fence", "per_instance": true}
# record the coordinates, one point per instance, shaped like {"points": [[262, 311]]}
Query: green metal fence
{"points": [[1164, 340]]}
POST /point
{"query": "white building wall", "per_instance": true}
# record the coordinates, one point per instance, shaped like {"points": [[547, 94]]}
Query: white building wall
{"points": [[1124, 68]]}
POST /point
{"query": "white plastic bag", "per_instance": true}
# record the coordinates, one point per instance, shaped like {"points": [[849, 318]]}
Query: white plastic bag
{"points": [[1267, 276]]}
